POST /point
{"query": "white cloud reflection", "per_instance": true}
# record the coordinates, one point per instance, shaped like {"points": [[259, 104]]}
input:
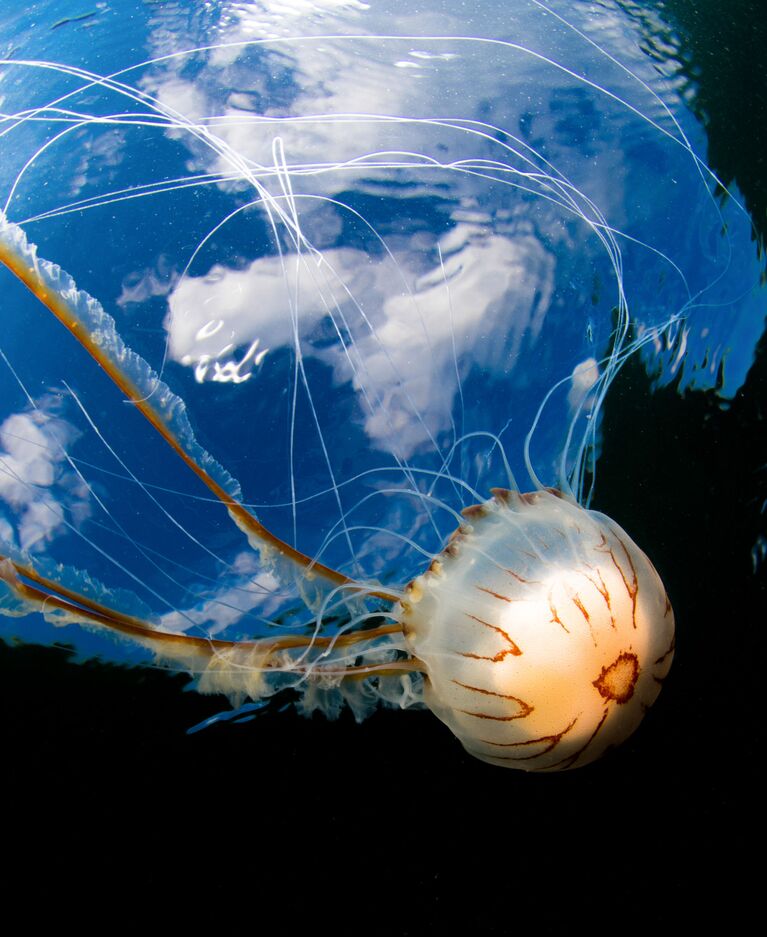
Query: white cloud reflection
{"points": [[407, 334], [37, 487], [247, 588]]}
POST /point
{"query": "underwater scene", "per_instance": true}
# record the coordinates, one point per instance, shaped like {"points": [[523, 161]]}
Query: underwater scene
{"points": [[366, 362]]}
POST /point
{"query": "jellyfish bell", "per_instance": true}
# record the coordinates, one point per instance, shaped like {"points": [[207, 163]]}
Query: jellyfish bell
{"points": [[544, 631], [372, 370]]}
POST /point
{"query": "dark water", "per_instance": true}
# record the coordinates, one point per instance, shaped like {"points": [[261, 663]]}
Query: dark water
{"points": [[391, 814]]}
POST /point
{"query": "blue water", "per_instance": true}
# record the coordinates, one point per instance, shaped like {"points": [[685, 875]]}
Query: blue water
{"points": [[476, 193]]}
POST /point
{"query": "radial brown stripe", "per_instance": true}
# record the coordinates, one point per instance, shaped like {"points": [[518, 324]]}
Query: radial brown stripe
{"points": [[576, 600], [496, 595], [490, 716], [581, 608], [605, 593], [513, 648], [671, 649], [552, 740], [519, 578], [631, 590], [571, 759], [526, 707], [496, 659], [555, 616], [634, 587]]}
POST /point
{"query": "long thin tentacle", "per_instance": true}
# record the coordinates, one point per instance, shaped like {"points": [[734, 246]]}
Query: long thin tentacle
{"points": [[25, 265]]}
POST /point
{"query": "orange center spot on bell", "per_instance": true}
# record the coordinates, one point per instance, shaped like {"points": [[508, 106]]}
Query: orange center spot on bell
{"points": [[617, 681]]}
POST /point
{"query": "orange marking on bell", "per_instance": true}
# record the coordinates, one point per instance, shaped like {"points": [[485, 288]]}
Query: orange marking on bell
{"points": [[555, 616], [526, 707], [616, 682], [631, 589], [513, 646], [496, 595], [571, 759], [519, 578], [581, 608], [490, 716], [553, 740]]}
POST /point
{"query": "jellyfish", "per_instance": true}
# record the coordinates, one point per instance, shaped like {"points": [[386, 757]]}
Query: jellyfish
{"points": [[355, 303]]}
